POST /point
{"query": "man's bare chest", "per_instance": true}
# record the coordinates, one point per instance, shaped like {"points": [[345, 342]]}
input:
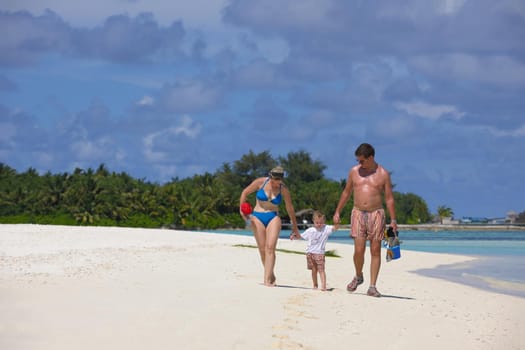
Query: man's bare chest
{"points": [[365, 179]]}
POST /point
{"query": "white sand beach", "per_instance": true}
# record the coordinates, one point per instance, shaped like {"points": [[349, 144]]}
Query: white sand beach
{"points": [[118, 288]]}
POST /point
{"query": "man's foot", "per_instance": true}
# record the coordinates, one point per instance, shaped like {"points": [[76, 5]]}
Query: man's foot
{"points": [[373, 292], [352, 286]]}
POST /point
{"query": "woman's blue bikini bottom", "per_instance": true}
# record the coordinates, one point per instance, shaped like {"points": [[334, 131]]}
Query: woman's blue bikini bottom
{"points": [[265, 217]]}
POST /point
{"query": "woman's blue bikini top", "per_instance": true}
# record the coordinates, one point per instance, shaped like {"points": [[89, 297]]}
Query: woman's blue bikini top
{"points": [[262, 196]]}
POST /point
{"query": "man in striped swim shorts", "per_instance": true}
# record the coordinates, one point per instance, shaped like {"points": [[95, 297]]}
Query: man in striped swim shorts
{"points": [[368, 181]]}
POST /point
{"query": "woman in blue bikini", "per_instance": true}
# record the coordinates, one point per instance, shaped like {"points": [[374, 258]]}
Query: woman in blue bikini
{"points": [[266, 223]]}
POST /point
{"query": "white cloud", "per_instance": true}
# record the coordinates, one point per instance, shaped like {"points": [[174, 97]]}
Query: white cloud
{"points": [[495, 69], [333, 64], [305, 14], [149, 144], [275, 50], [450, 7], [44, 159], [166, 172], [201, 13], [189, 96], [519, 132], [91, 150], [395, 127], [120, 155], [146, 101], [187, 127], [428, 111], [258, 73]]}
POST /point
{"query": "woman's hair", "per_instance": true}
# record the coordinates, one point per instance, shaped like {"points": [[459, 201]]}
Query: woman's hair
{"points": [[277, 172]]}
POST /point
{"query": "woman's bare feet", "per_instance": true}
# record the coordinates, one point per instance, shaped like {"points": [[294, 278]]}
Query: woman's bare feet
{"points": [[271, 282]]}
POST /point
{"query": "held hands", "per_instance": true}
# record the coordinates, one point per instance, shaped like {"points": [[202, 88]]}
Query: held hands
{"points": [[295, 235], [336, 219]]}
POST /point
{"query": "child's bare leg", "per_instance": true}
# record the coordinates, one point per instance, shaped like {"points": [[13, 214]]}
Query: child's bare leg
{"points": [[314, 277], [323, 279]]}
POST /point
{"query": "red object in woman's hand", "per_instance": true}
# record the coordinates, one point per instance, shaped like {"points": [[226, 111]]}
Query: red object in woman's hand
{"points": [[246, 208]]}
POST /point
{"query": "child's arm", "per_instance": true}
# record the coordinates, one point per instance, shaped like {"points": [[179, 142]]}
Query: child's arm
{"points": [[332, 229], [298, 235]]}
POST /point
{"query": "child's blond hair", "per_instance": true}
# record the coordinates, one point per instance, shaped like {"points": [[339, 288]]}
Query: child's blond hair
{"points": [[318, 215]]}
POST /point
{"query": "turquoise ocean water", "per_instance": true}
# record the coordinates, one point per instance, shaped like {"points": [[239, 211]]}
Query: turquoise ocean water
{"points": [[500, 263]]}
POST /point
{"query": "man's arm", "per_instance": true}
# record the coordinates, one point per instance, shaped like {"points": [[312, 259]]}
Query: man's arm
{"points": [[390, 204]]}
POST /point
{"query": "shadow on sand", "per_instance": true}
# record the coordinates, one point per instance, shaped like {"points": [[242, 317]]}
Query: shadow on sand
{"points": [[334, 289], [387, 296], [297, 287]]}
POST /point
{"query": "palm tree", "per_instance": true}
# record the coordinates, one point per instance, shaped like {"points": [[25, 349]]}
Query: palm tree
{"points": [[79, 196], [444, 212]]}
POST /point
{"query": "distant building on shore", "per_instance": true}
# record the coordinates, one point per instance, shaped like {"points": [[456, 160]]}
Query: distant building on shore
{"points": [[512, 217], [447, 220], [473, 220]]}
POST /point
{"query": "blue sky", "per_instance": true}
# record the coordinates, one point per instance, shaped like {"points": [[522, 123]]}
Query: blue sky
{"points": [[162, 89]]}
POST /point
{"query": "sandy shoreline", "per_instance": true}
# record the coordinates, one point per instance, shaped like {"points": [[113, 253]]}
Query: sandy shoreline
{"points": [[115, 288]]}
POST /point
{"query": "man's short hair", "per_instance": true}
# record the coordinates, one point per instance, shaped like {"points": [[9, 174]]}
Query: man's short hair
{"points": [[365, 150]]}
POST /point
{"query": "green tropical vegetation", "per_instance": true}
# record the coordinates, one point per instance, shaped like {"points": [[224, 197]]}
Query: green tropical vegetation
{"points": [[204, 201], [444, 212]]}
